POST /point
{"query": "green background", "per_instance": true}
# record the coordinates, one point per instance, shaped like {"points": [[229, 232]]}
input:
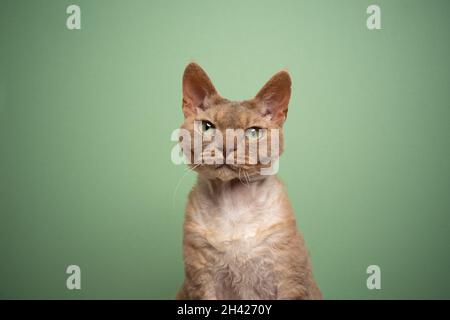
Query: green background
{"points": [[86, 118]]}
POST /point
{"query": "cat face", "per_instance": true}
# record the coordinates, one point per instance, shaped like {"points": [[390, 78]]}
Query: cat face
{"points": [[229, 140]]}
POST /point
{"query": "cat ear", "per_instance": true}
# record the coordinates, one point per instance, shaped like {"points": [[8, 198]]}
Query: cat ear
{"points": [[196, 88], [273, 98]]}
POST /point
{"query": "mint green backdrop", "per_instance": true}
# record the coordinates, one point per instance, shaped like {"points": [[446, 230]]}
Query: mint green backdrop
{"points": [[86, 117]]}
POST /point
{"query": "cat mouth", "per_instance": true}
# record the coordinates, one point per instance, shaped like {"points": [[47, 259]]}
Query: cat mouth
{"points": [[224, 166]]}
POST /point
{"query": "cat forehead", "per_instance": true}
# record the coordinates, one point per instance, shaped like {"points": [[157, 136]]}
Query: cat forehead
{"points": [[217, 101]]}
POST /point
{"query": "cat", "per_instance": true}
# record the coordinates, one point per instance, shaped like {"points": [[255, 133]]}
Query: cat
{"points": [[240, 235]]}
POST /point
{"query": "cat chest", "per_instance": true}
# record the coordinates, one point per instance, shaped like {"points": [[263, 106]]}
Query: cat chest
{"points": [[239, 229], [244, 269], [241, 256]]}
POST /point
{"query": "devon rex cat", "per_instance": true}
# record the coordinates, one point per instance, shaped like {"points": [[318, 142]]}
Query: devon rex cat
{"points": [[240, 235]]}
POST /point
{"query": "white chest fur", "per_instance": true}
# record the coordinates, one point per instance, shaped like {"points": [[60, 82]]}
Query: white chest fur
{"points": [[237, 214]]}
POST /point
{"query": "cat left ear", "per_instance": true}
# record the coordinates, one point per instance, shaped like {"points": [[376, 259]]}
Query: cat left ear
{"points": [[196, 88], [273, 98]]}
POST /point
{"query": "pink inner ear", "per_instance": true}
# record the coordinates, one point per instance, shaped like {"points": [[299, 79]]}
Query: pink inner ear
{"points": [[196, 87], [274, 97]]}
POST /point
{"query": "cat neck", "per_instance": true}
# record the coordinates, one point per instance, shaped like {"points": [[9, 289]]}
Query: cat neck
{"points": [[216, 186]]}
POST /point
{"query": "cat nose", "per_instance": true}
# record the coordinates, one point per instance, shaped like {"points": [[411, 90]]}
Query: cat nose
{"points": [[227, 151]]}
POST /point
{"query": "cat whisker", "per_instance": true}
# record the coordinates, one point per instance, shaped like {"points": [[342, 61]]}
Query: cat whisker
{"points": [[246, 182], [239, 177], [188, 170], [247, 178]]}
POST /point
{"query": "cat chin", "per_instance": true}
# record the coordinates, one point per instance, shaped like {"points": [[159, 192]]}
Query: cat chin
{"points": [[223, 173]]}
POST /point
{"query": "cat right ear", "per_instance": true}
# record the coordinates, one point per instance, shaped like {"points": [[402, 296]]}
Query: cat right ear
{"points": [[196, 88]]}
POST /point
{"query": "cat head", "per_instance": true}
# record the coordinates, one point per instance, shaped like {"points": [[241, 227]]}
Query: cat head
{"points": [[229, 140]]}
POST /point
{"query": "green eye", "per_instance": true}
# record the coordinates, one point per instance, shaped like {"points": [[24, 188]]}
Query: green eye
{"points": [[206, 125], [254, 133]]}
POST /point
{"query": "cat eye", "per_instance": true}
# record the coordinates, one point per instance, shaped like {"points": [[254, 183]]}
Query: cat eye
{"points": [[254, 133], [206, 125]]}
